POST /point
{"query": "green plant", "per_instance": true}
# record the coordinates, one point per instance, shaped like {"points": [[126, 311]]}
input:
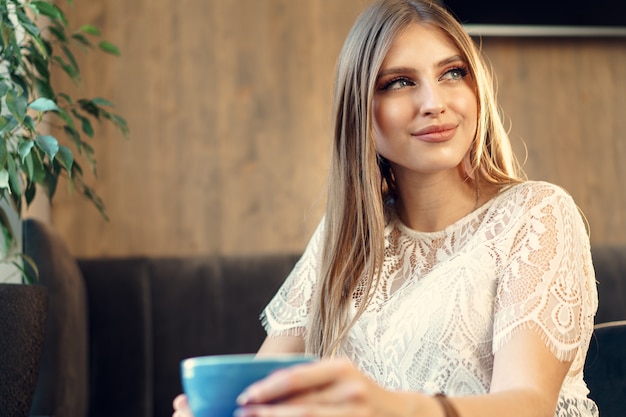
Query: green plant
{"points": [[44, 133]]}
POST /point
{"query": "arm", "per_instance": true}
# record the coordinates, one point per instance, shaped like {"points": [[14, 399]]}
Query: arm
{"points": [[527, 378], [526, 381]]}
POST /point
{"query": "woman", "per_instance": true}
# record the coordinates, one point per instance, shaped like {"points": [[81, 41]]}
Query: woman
{"points": [[440, 282]]}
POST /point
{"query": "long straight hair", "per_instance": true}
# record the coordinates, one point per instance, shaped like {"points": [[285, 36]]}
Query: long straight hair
{"points": [[360, 182]]}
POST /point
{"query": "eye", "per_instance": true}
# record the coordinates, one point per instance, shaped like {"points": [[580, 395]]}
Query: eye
{"points": [[397, 84], [455, 74]]}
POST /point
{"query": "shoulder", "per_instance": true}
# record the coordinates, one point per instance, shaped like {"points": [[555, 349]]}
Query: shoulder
{"points": [[535, 205], [530, 194]]}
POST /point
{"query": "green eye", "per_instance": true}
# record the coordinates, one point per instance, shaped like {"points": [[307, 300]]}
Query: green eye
{"points": [[398, 84], [457, 73]]}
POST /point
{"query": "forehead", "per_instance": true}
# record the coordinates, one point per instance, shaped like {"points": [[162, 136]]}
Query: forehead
{"points": [[420, 44]]}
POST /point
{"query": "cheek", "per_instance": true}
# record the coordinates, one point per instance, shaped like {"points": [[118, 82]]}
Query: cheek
{"points": [[389, 116], [469, 105]]}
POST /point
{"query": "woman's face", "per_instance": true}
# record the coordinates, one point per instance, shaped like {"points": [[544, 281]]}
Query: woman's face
{"points": [[424, 108]]}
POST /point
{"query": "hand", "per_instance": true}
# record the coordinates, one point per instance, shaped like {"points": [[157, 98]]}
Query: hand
{"points": [[181, 407], [332, 387]]}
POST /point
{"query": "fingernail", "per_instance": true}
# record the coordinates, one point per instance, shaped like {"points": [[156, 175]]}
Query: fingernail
{"points": [[243, 398]]}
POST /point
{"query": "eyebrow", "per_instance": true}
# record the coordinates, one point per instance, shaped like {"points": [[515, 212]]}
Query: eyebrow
{"points": [[404, 70]]}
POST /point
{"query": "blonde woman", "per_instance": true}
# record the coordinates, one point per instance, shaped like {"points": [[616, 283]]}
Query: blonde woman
{"points": [[440, 282]]}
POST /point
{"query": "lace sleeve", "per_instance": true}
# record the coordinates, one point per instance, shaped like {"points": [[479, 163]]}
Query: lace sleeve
{"points": [[287, 313], [548, 282]]}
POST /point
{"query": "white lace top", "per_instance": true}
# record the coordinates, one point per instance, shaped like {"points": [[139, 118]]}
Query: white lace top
{"points": [[448, 300]]}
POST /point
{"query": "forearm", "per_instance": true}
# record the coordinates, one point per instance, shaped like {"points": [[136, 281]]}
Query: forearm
{"points": [[512, 403]]}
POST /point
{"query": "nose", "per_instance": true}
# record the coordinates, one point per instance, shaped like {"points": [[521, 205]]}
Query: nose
{"points": [[431, 101]]}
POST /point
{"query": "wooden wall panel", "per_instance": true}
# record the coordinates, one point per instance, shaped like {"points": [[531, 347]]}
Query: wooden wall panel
{"points": [[229, 109], [566, 100]]}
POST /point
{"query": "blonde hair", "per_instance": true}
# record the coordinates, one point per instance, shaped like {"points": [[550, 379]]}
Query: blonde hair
{"points": [[360, 182]]}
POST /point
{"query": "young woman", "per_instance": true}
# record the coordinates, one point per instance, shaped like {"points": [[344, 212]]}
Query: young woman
{"points": [[440, 282]]}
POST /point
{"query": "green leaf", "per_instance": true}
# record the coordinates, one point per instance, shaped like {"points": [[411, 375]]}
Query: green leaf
{"points": [[48, 144], [89, 107], [70, 57], [4, 88], [69, 122], [24, 148], [29, 169], [49, 183], [29, 269], [3, 153], [29, 123], [50, 10], [99, 101], [7, 234], [89, 154], [39, 59], [66, 158], [69, 70], [120, 122], [44, 88], [74, 136], [27, 24], [30, 192], [59, 32], [90, 30], [109, 48], [86, 126], [77, 168], [43, 104], [8, 34], [39, 170], [3, 124], [14, 178], [11, 123], [22, 84], [4, 179], [95, 199], [67, 98], [82, 40], [17, 105]]}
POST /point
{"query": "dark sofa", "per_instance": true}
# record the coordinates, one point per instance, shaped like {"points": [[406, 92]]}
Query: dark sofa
{"points": [[118, 328]]}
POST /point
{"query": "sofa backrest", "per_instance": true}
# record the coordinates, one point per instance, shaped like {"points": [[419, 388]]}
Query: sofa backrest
{"points": [[148, 314], [609, 262]]}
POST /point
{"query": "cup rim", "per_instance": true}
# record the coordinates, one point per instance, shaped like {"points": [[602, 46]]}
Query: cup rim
{"points": [[240, 358]]}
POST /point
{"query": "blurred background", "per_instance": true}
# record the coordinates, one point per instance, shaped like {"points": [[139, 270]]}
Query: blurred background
{"points": [[229, 107]]}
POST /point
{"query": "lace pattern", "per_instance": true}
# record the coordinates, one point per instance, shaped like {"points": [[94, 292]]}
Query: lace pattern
{"points": [[448, 301]]}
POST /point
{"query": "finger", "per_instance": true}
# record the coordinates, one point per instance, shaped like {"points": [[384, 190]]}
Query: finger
{"points": [[180, 402], [341, 392], [298, 411], [290, 381]]}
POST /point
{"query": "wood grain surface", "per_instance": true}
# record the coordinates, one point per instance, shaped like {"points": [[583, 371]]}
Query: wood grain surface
{"points": [[229, 106]]}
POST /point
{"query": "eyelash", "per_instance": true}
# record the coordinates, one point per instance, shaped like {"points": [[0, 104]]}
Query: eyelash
{"points": [[462, 71]]}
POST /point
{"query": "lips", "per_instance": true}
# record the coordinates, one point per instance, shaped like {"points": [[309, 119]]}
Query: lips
{"points": [[436, 133]]}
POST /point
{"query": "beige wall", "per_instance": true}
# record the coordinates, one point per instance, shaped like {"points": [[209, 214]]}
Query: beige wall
{"points": [[229, 108]]}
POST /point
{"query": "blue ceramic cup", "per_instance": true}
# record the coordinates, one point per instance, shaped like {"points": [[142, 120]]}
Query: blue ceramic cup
{"points": [[213, 383]]}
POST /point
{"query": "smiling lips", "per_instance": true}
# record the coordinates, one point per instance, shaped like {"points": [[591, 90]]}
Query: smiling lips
{"points": [[436, 133]]}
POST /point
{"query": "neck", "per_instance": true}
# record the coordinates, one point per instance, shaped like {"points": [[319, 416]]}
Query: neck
{"points": [[431, 203]]}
